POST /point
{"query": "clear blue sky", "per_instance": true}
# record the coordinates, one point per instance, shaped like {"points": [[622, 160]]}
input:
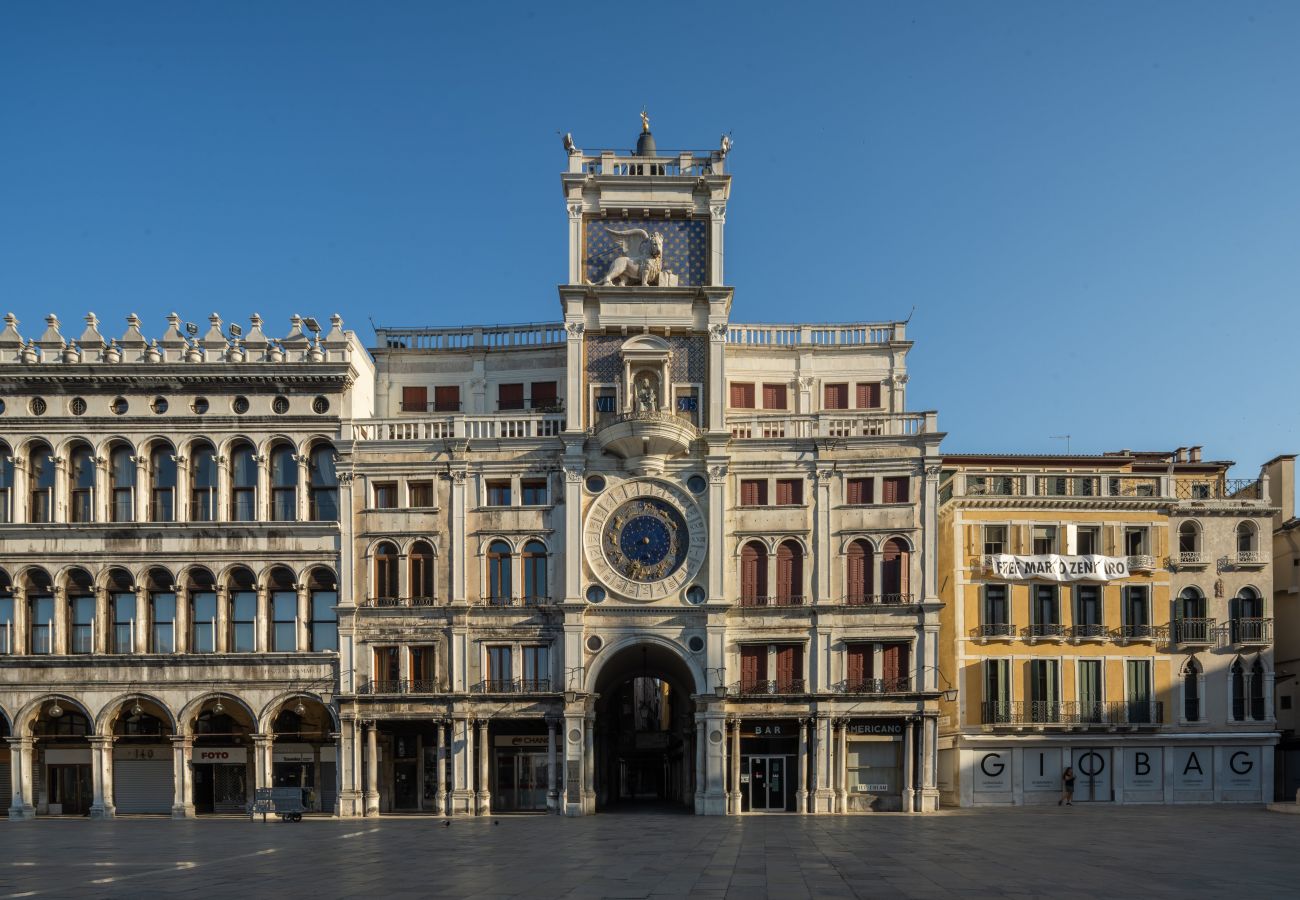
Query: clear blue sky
{"points": [[1092, 206]]}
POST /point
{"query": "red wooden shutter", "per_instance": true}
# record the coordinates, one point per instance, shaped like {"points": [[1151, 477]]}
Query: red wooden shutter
{"points": [[753, 569], [774, 396], [785, 587], [859, 664], [894, 569], [789, 667], [510, 396], [446, 398], [869, 395], [753, 665], [789, 492], [896, 490], [415, 398], [742, 395], [895, 662], [543, 394], [857, 573], [748, 493], [837, 396]]}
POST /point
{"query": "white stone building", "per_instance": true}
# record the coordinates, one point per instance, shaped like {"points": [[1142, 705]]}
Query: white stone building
{"points": [[169, 545], [644, 552]]}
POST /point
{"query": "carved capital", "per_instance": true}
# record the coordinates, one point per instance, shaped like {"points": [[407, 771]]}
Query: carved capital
{"points": [[575, 210], [457, 476], [718, 331], [719, 212], [345, 477], [572, 474], [575, 329], [806, 382], [824, 475], [717, 474], [900, 379]]}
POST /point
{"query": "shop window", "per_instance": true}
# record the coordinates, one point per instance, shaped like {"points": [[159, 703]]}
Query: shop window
{"points": [[386, 495], [742, 395], [753, 492], [774, 396], [789, 492], [872, 767], [415, 398], [836, 396], [895, 489], [869, 395], [510, 397], [446, 398], [532, 492], [420, 494], [498, 493], [859, 491]]}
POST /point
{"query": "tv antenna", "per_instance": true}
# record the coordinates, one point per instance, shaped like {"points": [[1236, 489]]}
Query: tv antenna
{"points": [[1061, 437]]}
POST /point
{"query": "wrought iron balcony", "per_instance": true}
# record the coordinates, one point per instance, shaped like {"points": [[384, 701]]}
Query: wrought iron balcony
{"points": [[1251, 558], [1050, 631], [874, 686], [1072, 713], [516, 602], [757, 601], [763, 687], [399, 686], [1079, 633], [879, 599], [397, 602], [1142, 562], [513, 686], [1192, 559], [1251, 631], [993, 631], [1139, 634], [1194, 631]]}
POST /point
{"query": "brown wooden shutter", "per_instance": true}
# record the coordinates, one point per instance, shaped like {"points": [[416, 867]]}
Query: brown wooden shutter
{"points": [[894, 662], [742, 395], [774, 396], [446, 398], [753, 574], [415, 398], [894, 568], [859, 664], [896, 490], [510, 396], [786, 586], [789, 667], [543, 394], [789, 492], [837, 396], [869, 395], [753, 665], [859, 574]]}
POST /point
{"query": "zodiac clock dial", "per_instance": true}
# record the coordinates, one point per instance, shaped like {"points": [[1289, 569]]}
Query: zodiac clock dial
{"points": [[645, 540]]}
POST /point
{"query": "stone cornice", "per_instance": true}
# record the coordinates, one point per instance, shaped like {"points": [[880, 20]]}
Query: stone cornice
{"points": [[101, 379]]}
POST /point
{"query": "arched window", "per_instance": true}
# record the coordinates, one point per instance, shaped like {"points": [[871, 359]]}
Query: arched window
{"points": [[1192, 691], [121, 479], [40, 483], [859, 573], [40, 612], [1257, 691], [81, 611], [753, 574], [1189, 617], [202, 591], [284, 611], [284, 484], [895, 565], [6, 483], [7, 644], [243, 483], [1237, 675], [324, 484], [242, 587], [421, 573], [534, 559], [122, 610], [1246, 537], [323, 628], [81, 484], [789, 574], [499, 574], [385, 586], [1246, 611], [203, 483], [162, 611], [1189, 540], [162, 478]]}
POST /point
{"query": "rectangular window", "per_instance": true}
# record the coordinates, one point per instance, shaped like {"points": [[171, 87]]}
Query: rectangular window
{"points": [[446, 398], [1044, 691], [895, 489], [420, 494], [422, 677], [284, 623], [1089, 689], [774, 396], [1137, 607], [859, 667], [83, 625], [510, 396], [753, 492], [1044, 539], [537, 668], [836, 396], [997, 608], [388, 671], [415, 398], [41, 629], [386, 495], [500, 669], [753, 668], [498, 493], [995, 539], [789, 492], [742, 395], [544, 396], [859, 491], [1138, 677], [789, 669], [243, 621], [123, 623], [203, 623], [997, 691], [533, 491], [324, 629], [869, 395], [1087, 606], [1046, 608], [163, 635], [895, 667], [1087, 541], [1136, 542], [872, 767]]}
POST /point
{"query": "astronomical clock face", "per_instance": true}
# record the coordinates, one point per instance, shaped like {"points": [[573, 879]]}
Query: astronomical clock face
{"points": [[645, 539]]}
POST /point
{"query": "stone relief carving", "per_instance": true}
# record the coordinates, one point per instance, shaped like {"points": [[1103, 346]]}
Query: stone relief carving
{"points": [[717, 474], [642, 259], [572, 474]]}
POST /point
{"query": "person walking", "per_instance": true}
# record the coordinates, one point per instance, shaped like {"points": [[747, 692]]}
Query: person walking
{"points": [[1067, 787]]}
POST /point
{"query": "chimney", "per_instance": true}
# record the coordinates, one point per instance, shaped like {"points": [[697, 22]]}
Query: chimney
{"points": [[1180, 455], [1194, 454]]}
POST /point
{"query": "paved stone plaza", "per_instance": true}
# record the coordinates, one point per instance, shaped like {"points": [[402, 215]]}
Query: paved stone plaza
{"points": [[1078, 852]]}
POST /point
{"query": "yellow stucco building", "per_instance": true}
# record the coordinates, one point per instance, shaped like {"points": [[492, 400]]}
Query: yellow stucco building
{"points": [[1108, 614]]}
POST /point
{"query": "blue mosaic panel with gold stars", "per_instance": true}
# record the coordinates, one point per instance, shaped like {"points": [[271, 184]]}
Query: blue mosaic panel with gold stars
{"points": [[686, 247]]}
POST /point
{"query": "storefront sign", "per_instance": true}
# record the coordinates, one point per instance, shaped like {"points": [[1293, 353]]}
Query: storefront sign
{"points": [[294, 757], [67, 757], [884, 727], [1241, 769], [1043, 770], [220, 755], [142, 753], [1054, 567], [1193, 768], [535, 741], [992, 770], [769, 729], [1144, 770]]}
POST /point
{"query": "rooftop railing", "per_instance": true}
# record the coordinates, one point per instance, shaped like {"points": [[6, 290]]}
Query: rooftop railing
{"points": [[473, 337], [831, 425], [428, 428], [849, 334], [624, 163]]}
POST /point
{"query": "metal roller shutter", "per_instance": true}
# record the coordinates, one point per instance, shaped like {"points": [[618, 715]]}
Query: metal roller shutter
{"points": [[6, 792], [142, 786], [327, 795]]}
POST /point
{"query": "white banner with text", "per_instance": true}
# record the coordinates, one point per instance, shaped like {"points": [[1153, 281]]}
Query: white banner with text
{"points": [[1055, 567]]}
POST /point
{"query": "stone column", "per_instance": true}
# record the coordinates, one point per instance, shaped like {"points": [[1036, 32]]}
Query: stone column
{"points": [[263, 499], [221, 503], [571, 802], [304, 615], [589, 765], [103, 491], [261, 621], [483, 797], [221, 639], [439, 772], [371, 793], [823, 760], [552, 768], [181, 629], [456, 556], [142, 618], [469, 766], [347, 769], [701, 762], [21, 635], [103, 619], [735, 803], [929, 764], [182, 773], [907, 766], [59, 631], [304, 486], [801, 793], [842, 768], [262, 745], [22, 756], [141, 492], [101, 774], [59, 511], [181, 511]]}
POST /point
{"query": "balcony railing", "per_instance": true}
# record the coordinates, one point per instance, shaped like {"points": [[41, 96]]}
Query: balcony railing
{"points": [[854, 334], [504, 426], [1251, 631], [513, 686], [1226, 489], [474, 337], [400, 686], [1251, 558], [993, 631], [1064, 488], [1072, 713], [879, 599], [397, 602], [875, 686], [1191, 558], [1088, 632], [516, 601], [757, 601], [1194, 631], [844, 424], [1142, 562], [1138, 634], [757, 688], [1047, 631]]}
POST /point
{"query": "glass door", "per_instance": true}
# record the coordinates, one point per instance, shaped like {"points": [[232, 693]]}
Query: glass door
{"points": [[70, 787], [757, 783], [776, 783]]}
